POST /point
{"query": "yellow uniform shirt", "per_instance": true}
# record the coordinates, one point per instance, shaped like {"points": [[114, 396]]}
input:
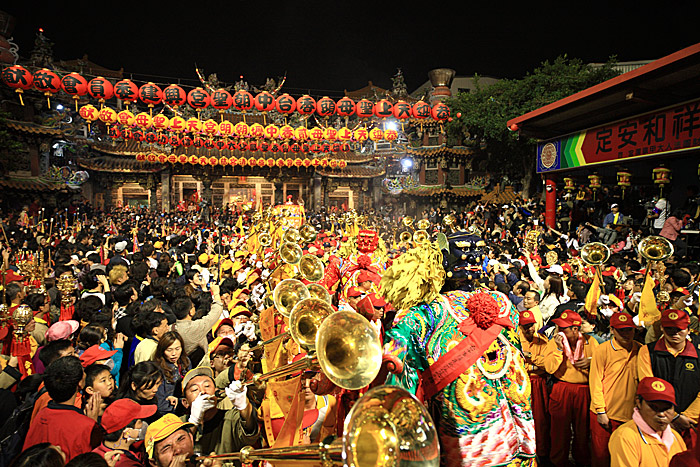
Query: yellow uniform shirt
{"points": [[644, 370], [559, 366], [629, 447], [613, 380], [535, 350]]}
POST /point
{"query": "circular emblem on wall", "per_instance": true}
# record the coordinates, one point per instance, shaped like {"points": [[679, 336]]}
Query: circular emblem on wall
{"points": [[658, 386], [548, 157]]}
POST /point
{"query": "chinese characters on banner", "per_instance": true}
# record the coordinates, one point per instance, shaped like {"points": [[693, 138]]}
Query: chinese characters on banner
{"points": [[665, 131]]}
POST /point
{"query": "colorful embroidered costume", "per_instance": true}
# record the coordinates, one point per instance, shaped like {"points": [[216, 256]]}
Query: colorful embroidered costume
{"points": [[485, 417]]}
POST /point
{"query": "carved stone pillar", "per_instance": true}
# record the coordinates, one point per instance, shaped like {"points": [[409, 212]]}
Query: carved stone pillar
{"points": [[165, 190]]}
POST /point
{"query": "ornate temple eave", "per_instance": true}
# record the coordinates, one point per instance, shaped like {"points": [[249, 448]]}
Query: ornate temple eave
{"points": [[119, 165], [432, 190], [352, 172], [500, 197], [32, 184], [33, 128], [441, 150]]}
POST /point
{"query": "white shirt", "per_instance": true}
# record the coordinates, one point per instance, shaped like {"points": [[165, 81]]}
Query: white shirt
{"points": [[662, 206]]}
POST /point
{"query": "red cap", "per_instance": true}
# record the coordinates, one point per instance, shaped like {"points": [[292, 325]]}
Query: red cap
{"points": [[95, 354], [621, 321], [363, 276], [11, 276], [354, 292], [242, 312], [656, 389], [527, 317], [377, 302], [223, 341], [567, 319], [122, 412], [228, 321], [675, 319]]}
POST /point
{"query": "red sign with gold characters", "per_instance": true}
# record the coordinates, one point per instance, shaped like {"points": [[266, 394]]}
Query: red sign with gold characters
{"points": [[670, 130]]}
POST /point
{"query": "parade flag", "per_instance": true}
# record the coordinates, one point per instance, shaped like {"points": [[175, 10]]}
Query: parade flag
{"points": [[648, 311], [592, 296], [239, 225]]}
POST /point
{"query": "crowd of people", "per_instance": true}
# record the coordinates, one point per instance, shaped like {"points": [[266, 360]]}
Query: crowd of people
{"points": [[142, 331]]}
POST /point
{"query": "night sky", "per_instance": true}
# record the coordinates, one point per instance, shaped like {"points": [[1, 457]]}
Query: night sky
{"points": [[326, 47]]}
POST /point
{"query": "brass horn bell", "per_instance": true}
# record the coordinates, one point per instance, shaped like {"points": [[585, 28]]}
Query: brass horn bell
{"points": [[595, 253], [287, 294], [655, 248], [311, 268], [305, 320]]}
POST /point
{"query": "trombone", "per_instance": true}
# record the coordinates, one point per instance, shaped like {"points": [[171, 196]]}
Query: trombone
{"points": [[387, 426]]}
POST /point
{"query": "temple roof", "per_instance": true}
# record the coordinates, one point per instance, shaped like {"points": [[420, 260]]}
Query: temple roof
{"points": [[366, 92], [16, 182], [430, 190], [87, 67], [352, 171], [29, 127], [432, 151], [500, 197], [119, 164]]}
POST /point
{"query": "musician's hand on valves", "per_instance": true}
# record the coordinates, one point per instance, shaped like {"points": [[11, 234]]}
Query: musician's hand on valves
{"points": [[238, 394]]}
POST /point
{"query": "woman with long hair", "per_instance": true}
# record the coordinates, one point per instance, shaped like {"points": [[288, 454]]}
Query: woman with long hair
{"points": [[174, 364], [141, 384]]}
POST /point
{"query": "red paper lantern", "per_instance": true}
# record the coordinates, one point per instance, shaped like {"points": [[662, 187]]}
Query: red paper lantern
{"points": [[285, 104], [421, 110], [150, 137], [440, 112], [221, 99], [383, 109], [253, 146], [127, 133], [162, 139], [113, 132], [198, 99], [187, 141], [174, 140], [242, 100], [306, 105], [18, 78], [402, 110], [325, 107], [174, 95], [75, 85], [101, 89], [48, 82], [364, 108], [197, 142], [264, 102], [345, 107], [150, 94], [126, 91], [295, 148]]}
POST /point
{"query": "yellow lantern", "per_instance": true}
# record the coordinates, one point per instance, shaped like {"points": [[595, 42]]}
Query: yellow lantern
{"points": [[624, 179], [194, 126], [242, 130], [361, 134], [391, 135], [161, 122], [661, 176], [376, 134], [144, 120], [301, 133], [344, 134], [210, 127], [316, 133], [125, 118], [226, 128], [178, 124], [272, 131], [286, 132], [330, 134], [569, 184], [257, 130], [108, 115]]}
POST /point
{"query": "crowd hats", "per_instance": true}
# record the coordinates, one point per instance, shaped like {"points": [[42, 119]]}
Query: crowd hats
{"points": [[227, 321], [656, 389], [161, 429], [62, 330], [527, 317], [95, 354], [121, 412], [354, 292], [621, 321], [218, 342], [567, 319], [377, 301], [199, 371], [675, 319]]}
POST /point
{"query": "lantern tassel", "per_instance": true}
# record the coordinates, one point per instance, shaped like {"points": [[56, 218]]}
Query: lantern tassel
{"points": [[48, 101], [21, 101]]}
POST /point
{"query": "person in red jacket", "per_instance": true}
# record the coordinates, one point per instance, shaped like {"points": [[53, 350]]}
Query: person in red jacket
{"points": [[60, 422]]}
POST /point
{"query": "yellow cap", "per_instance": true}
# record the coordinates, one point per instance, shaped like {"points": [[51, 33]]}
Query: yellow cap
{"points": [[203, 258], [161, 429], [158, 244], [240, 253], [226, 265]]}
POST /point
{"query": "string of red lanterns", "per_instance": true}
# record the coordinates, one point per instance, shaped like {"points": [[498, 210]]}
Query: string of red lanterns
{"points": [[154, 157], [125, 90]]}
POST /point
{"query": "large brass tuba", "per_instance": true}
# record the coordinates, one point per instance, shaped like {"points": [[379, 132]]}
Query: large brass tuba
{"points": [[311, 268], [288, 293], [595, 253], [656, 249], [386, 427]]}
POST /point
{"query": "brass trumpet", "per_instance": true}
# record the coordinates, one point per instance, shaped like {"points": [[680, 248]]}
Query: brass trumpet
{"points": [[656, 249], [387, 426], [320, 292], [595, 253]]}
